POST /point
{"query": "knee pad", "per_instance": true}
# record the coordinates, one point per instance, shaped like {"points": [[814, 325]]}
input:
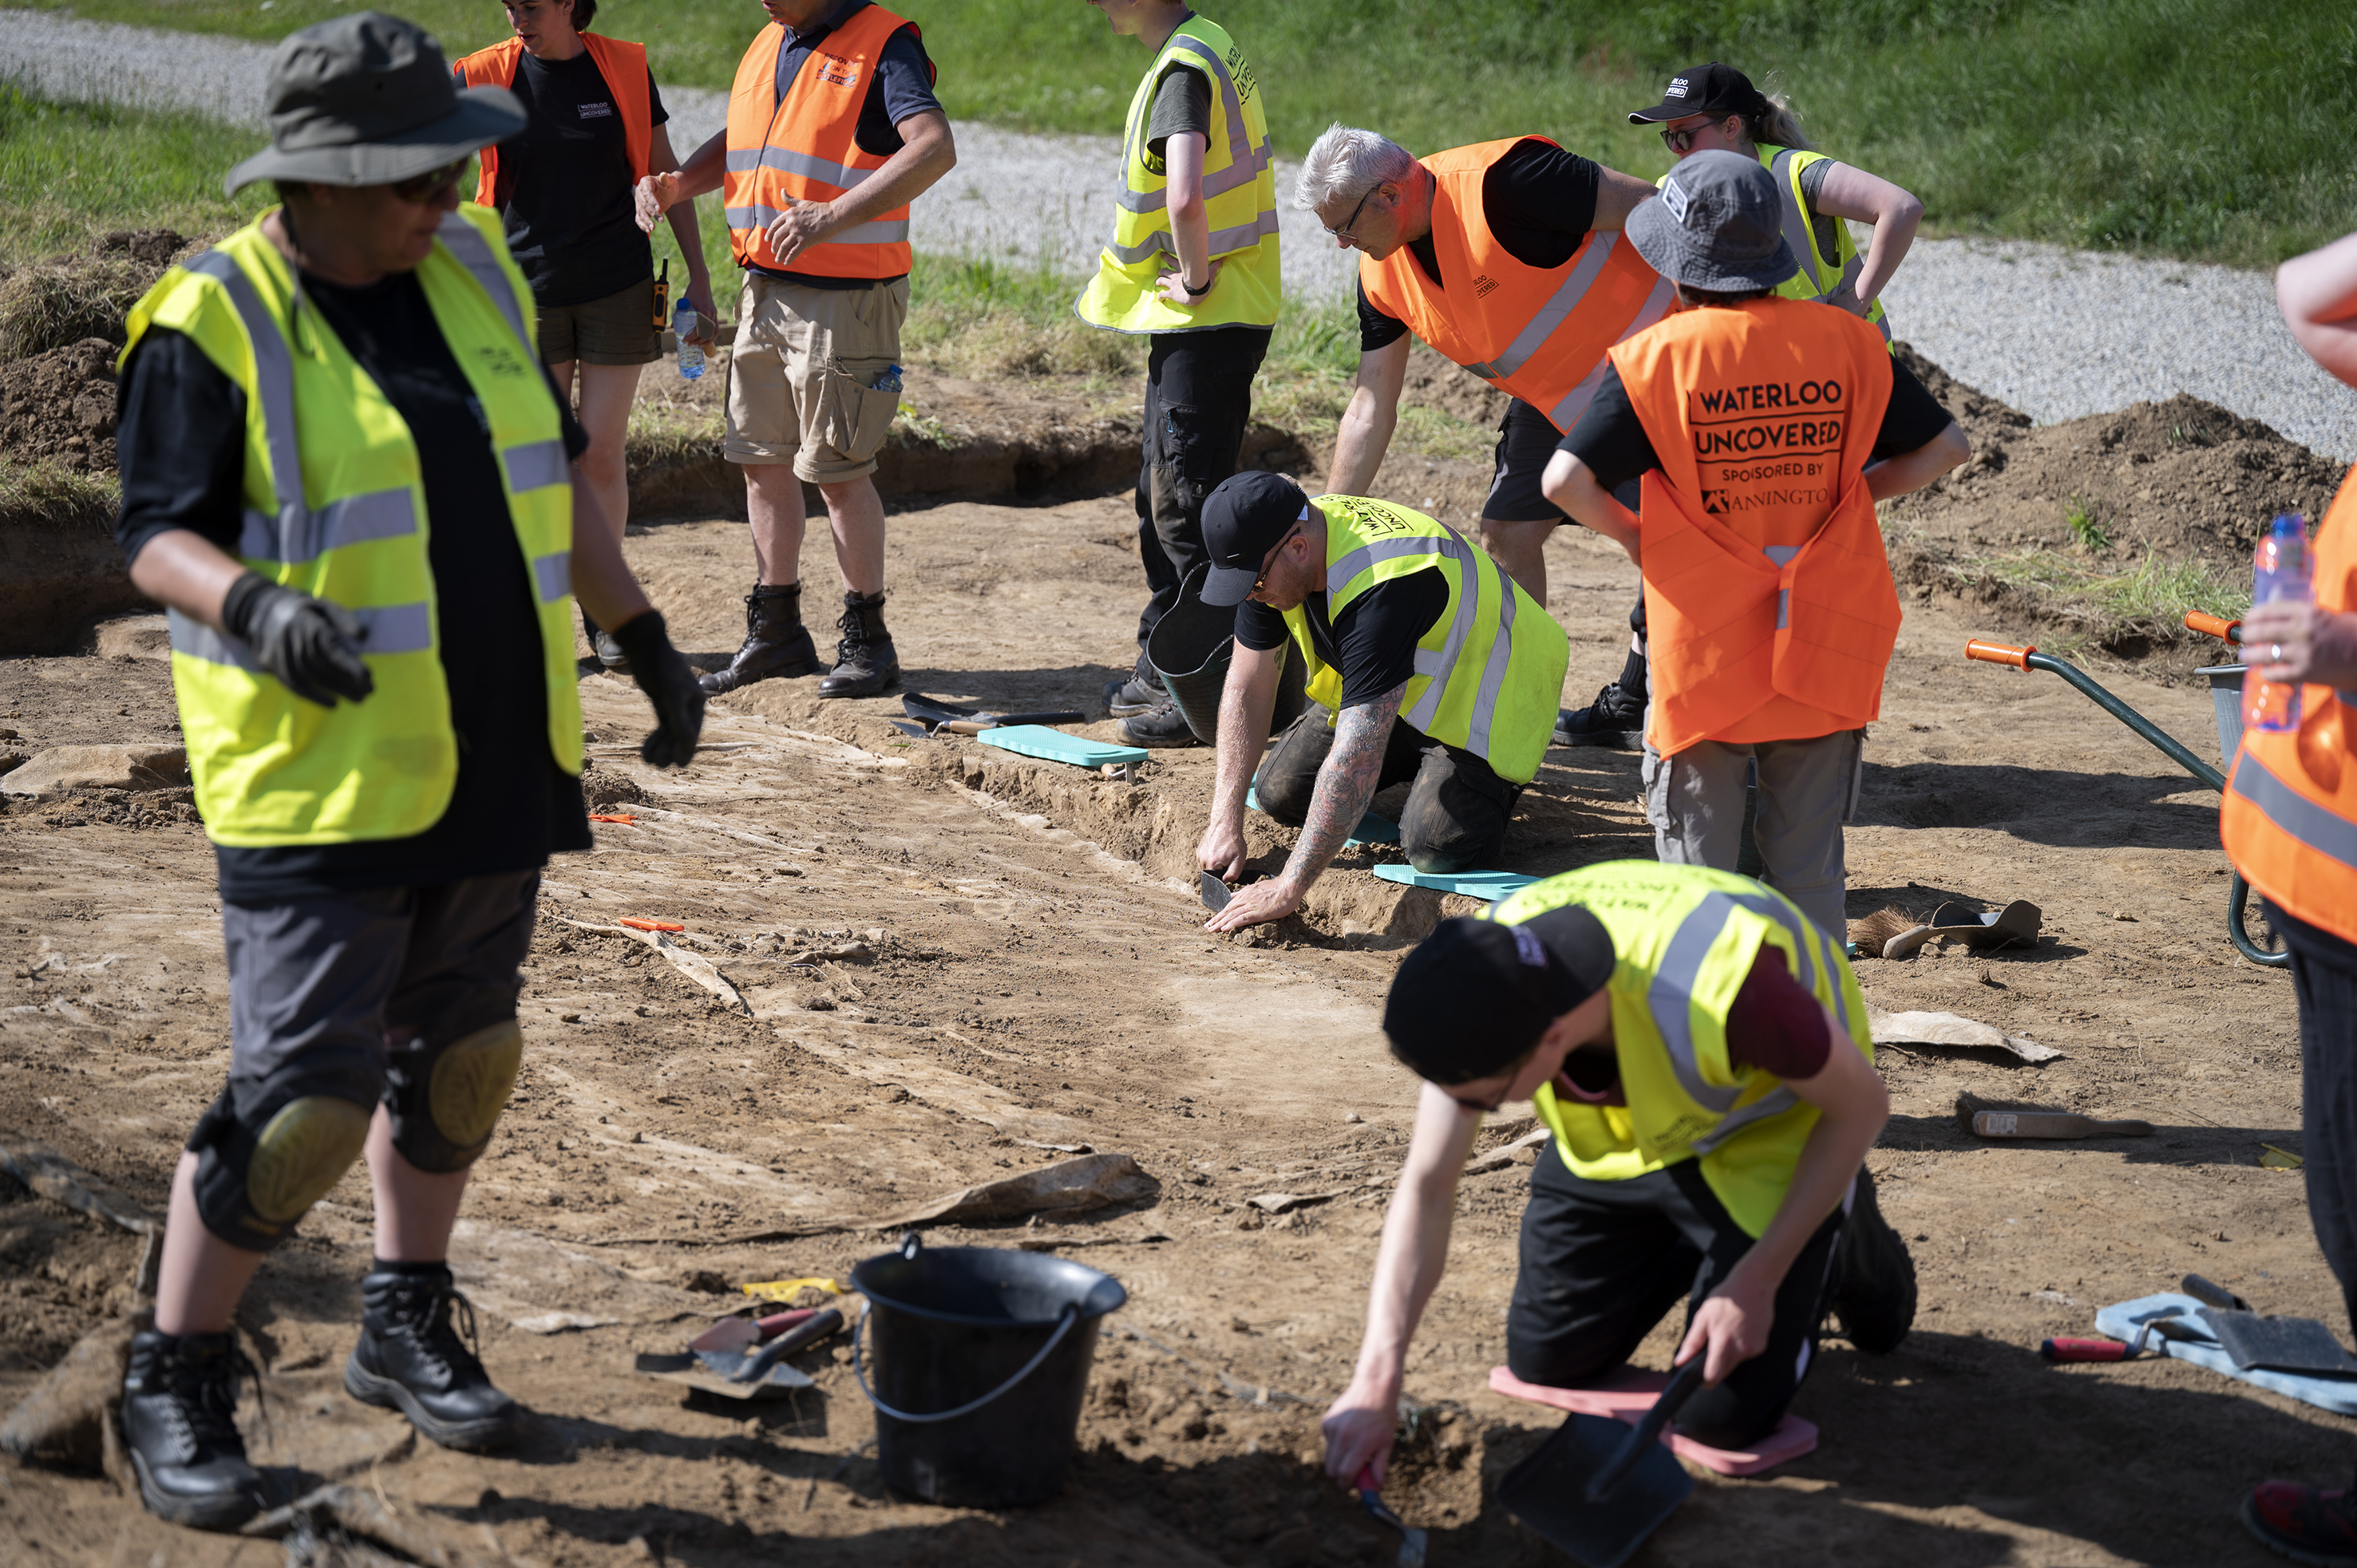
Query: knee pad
{"points": [[260, 1172], [445, 1091]]}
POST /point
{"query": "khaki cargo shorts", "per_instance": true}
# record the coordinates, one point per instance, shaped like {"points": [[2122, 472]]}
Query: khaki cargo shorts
{"points": [[801, 374]]}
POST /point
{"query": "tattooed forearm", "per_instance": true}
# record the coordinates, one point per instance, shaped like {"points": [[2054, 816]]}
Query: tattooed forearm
{"points": [[1346, 784]]}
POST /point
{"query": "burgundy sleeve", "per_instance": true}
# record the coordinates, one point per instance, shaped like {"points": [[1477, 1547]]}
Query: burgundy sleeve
{"points": [[1776, 1025]]}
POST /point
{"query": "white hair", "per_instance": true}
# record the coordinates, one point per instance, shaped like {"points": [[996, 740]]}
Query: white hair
{"points": [[1345, 164]]}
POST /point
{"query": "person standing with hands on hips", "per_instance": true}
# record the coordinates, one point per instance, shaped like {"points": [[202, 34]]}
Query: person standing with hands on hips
{"points": [[832, 130], [2289, 823], [1764, 430], [347, 476], [566, 188], [1193, 263]]}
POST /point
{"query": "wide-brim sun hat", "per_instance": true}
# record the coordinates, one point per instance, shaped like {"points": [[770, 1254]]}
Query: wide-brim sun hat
{"points": [[1718, 224], [368, 99]]}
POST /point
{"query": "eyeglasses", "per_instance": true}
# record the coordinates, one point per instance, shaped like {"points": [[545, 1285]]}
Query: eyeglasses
{"points": [[1342, 230], [428, 188], [1269, 561], [1682, 142]]}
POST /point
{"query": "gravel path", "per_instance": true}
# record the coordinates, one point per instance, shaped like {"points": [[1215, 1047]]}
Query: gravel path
{"points": [[2055, 332]]}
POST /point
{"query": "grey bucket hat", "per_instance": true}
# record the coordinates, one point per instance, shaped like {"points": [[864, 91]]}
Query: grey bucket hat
{"points": [[368, 99], [1717, 224]]}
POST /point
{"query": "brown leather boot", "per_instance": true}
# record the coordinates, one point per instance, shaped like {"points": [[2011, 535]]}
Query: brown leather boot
{"points": [[776, 641], [865, 663]]}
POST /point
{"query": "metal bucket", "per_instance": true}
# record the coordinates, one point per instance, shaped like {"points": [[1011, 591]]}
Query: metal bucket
{"points": [[2225, 706]]}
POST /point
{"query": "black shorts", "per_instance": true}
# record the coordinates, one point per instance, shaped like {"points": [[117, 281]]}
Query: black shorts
{"points": [[1527, 440]]}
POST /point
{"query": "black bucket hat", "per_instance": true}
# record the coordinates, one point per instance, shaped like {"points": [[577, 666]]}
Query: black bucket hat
{"points": [[368, 99], [1717, 224]]}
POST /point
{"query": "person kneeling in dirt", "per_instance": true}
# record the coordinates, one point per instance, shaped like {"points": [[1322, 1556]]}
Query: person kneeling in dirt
{"points": [[1770, 608], [1699, 1049], [347, 474], [1427, 663]]}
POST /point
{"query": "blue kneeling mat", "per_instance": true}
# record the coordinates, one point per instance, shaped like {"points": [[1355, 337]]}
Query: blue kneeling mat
{"points": [[1489, 884], [1372, 828], [2127, 1319], [1055, 745]]}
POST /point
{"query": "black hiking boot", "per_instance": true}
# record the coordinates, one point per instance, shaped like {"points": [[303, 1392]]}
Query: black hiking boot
{"points": [[1616, 719], [1141, 692], [180, 1409], [776, 642], [865, 663], [602, 645], [409, 1358], [1875, 1297], [1162, 728]]}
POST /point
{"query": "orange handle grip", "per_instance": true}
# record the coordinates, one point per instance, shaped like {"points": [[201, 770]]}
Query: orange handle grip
{"points": [[1998, 653], [2214, 626]]}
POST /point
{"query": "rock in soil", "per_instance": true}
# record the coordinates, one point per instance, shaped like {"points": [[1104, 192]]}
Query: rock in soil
{"points": [[155, 765]]}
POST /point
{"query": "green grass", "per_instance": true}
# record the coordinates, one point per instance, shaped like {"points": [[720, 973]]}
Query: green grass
{"points": [[2087, 526], [57, 497], [69, 171], [2186, 128], [2154, 590]]}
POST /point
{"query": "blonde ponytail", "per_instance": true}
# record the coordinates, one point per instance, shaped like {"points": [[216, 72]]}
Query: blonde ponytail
{"points": [[1777, 125]]}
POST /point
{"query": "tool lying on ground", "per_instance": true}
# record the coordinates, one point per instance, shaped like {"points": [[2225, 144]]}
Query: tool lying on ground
{"points": [[2005, 1118], [973, 721], [1485, 884], [2067, 1349], [742, 1333], [740, 1367], [2226, 683], [1370, 1498], [2199, 1344], [1372, 828], [2255, 1339], [1596, 1489], [639, 923], [744, 1357]]}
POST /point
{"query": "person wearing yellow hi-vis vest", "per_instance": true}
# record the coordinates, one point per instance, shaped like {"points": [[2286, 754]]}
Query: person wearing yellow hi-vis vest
{"points": [[1425, 663], [1698, 1049], [1193, 263], [350, 481]]}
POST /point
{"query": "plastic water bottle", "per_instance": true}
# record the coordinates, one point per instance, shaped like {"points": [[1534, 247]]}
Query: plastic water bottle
{"points": [[2281, 572], [691, 355], [888, 382]]}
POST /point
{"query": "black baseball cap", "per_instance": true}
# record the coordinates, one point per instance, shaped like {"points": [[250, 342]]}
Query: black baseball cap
{"points": [[1242, 521], [1476, 995], [1712, 89]]}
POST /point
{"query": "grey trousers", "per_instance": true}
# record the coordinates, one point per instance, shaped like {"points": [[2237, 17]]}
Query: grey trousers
{"points": [[1808, 792]]}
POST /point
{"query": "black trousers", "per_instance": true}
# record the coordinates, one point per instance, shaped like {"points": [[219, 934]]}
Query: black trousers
{"points": [[1197, 401], [1457, 810], [2324, 979], [1602, 1263]]}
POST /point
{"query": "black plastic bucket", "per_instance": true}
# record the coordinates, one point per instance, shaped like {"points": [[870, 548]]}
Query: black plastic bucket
{"points": [[982, 1358], [1190, 650]]}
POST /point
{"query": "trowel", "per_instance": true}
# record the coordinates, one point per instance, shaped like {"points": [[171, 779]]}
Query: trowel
{"points": [[960, 720], [1597, 1489], [1370, 1498]]}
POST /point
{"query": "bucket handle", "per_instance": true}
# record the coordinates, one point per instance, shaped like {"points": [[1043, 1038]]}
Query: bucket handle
{"points": [[1071, 1315]]}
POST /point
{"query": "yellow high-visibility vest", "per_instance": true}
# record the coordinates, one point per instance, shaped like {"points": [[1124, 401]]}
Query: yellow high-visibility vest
{"points": [[1489, 674], [1239, 200], [335, 504], [1821, 276], [1684, 937]]}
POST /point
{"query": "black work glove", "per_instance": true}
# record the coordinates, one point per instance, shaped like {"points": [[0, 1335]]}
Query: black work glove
{"points": [[312, 646], [669, 685]]}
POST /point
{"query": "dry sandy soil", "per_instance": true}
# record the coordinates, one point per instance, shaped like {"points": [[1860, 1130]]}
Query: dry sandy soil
{"points": [[1036, 967]]}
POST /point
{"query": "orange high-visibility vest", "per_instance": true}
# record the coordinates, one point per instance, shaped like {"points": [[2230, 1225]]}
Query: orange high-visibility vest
{"points": [[2289, 821], [1769, 611], [1538, 333], [624, 67], [806, 149]]}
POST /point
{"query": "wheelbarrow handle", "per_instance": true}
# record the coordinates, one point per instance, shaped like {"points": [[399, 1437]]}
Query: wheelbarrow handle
{"points": [[1998, 653], [2218, 627]]}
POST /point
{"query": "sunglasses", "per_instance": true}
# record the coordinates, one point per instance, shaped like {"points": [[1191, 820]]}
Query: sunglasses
{"points": [[431, 185], [1681, 142], [1269, 561]]}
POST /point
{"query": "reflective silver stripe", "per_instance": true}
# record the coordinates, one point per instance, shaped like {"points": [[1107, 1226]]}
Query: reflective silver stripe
{"points": [[1775, 1103], [1783, 609], [786, 161], [878, 232], [355, 520], [1565, 414], [198, 640], [1214, 184], [1780, 554], [554, 575], [473, 252], [1669, 998], [1796, 221], [391, 628], [1501, 652], [274, 384], [534, 463], [1435, 665], [1224, 241], [1240, 149], [1816, 945], [1554, 313], [2314, 826]]}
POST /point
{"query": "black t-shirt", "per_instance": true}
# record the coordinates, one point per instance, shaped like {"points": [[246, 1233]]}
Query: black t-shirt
{"points": [[1609, 438], [1182, 102], [565, 183], [1540, 202], [902, 86], [181, 443], [1373, 644]]}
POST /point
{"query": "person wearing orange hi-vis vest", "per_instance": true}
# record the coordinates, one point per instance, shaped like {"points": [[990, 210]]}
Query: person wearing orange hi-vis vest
{"points": [[1771, 610], [832, 130], [2289, 822]]}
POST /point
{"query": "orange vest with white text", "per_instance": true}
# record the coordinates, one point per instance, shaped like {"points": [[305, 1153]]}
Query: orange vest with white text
{"points": [[1769, 611], [624, 67], [805, 149], [1539, 333], [2289, 821]]}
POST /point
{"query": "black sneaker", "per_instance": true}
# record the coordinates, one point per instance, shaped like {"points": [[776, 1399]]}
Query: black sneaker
{"points": [[1163, 728], [180, 1420], [409, 1358], [1875, 1298], [1141, 692], [1616, 719]]}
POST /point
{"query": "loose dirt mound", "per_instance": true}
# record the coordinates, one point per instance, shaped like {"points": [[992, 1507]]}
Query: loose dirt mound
{"points": [[60, 407]]}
